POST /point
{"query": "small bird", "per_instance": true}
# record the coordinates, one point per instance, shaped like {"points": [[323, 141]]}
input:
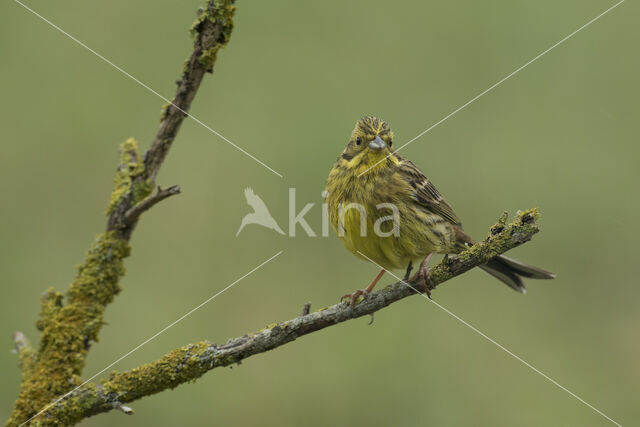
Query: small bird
{"points": [[367, 181], [260, 214]]}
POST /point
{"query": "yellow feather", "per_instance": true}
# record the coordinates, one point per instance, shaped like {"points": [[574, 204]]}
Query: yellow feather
{"points": [[369, 173], [420, 232]]}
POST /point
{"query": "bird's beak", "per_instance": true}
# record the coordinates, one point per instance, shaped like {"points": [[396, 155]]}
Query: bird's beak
{"points": [[377, 144]]}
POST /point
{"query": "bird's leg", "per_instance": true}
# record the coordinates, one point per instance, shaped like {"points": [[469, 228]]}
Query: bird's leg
{"points": [[424, 275], [409, 268], [364, 292]]}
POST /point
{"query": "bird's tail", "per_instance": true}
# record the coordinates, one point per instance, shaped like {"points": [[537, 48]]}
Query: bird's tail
{"points": [[511, 272]]}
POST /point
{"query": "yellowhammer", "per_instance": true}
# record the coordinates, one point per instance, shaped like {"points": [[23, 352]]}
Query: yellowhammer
{"points": [[384, 209]]}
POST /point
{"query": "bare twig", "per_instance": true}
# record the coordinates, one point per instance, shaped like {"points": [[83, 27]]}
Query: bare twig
{"points": [[127, 410], [134, 213], [306, 309], [190, 362]]}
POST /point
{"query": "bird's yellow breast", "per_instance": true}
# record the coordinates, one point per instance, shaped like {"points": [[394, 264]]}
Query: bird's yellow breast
{"points": [[356, 204]]}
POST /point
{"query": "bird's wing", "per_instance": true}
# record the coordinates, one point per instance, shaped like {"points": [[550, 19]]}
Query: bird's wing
{"points": [[425, 194], [254, 200]]}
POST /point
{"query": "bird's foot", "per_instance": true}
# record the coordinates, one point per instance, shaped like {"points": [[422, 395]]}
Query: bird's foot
{"points": [[362, 292], [353, 298], [423, 276], [425, 280]]}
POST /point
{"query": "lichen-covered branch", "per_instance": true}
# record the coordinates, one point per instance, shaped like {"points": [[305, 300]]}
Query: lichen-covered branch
{"points": [[26, 354], [194, 360], [212, 30], [71, 322]]}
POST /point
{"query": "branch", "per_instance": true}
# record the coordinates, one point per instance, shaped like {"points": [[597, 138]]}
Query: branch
{"points": [[212, 30], [26, 355], [190, 362], [69, 329], [132, 215]]}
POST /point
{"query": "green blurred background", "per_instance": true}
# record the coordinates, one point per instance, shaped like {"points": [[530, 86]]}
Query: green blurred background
{"points": [[560, 135]]}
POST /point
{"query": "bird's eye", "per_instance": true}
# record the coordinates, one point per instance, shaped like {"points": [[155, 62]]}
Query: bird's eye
{"points": [[358, 141], [390, 142]]}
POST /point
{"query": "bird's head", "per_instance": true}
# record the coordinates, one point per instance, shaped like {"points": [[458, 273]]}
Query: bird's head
{"points": [[370, 142]]}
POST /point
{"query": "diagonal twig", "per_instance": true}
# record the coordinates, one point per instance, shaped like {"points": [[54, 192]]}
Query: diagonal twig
{"points": [[190, 362], [134, 213]]}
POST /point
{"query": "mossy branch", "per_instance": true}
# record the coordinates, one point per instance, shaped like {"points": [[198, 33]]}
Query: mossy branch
{"points": [[190, 362], [211, 31], [71, 322], [26, 354]]}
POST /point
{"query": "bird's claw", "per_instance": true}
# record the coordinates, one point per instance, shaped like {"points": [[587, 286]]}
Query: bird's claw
{"points": [[425, 280], [353, 298], [423, 276]]}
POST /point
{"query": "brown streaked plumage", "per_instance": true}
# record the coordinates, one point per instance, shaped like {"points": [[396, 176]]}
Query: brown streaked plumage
{"points": [[368, 173]]}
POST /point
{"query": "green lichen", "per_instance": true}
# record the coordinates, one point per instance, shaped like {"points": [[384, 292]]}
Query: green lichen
{"points": [[130, 167], [72, 409], [194, 29], [51, 302], [209, 56], [164, 111], [502, 238], [222, 14], [141, 190], [499, 226], [69, 329], [181, 365]]}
